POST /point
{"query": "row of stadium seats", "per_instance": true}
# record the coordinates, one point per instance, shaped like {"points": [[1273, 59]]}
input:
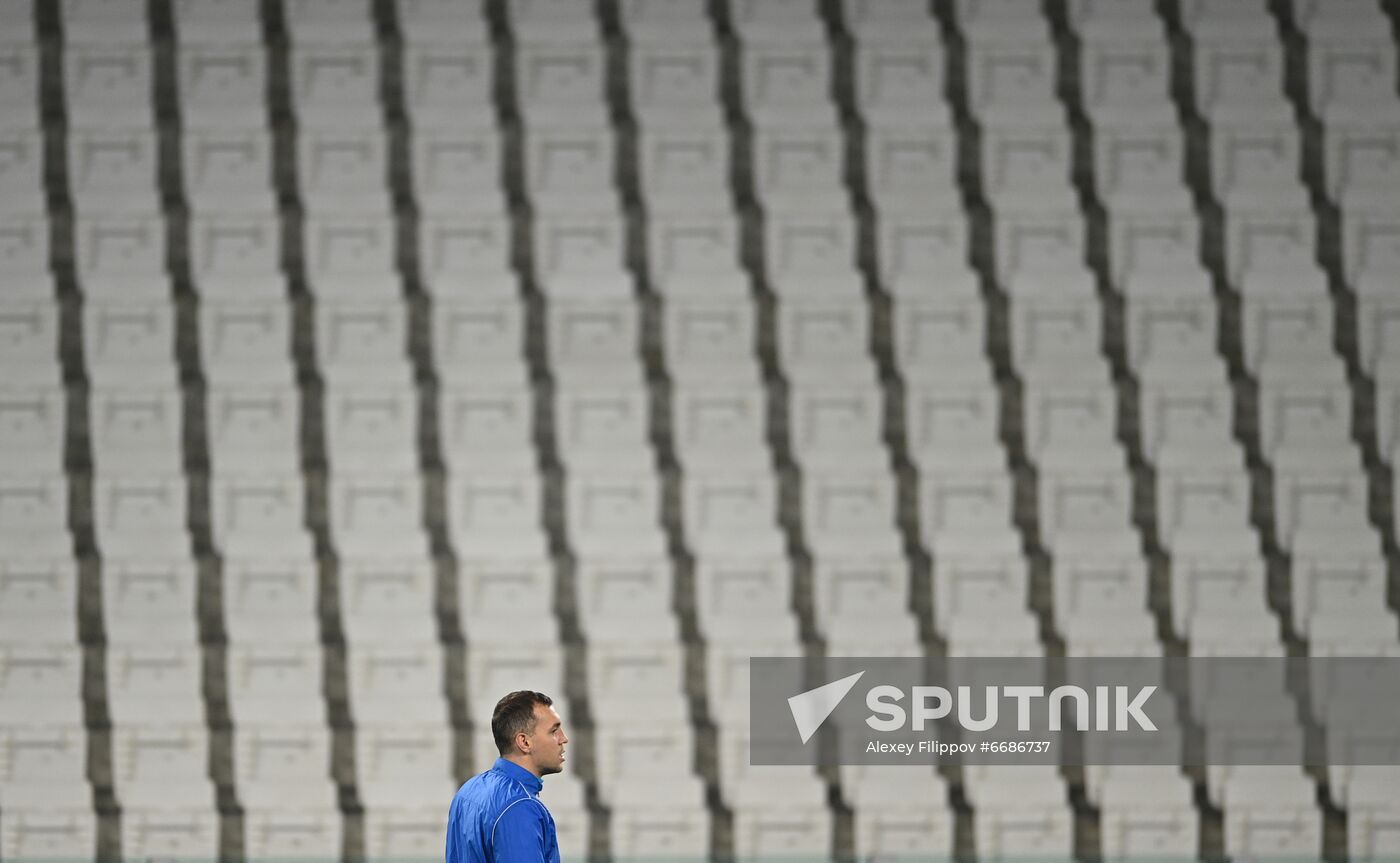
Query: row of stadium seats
{"points": [[339, 191]]}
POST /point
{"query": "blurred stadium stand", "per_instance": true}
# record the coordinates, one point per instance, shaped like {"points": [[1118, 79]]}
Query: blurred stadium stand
{"points": [[362, 360]]}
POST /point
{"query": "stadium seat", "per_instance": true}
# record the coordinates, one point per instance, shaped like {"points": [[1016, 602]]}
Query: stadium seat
{"points": [[915, 245], [798, 167], [488, 423], [731, 513], [42, 685], [1271, 811], [1016, 814], [234, 255], [108, 81], [29, 340], [24, 251], [1139, 168], [176, 833], [673, 81], [154, 682], [1200, 501], [1025, 161], [121, 255], [1360, 163], [685, 168], [135, 425], [292, 832], [977, 587], [396, 683], [1237, 74], [614, 512], [496, 510], [899, 70], [976, 502], [32, 428], [672, 824], [332, 75], [1340, 585], [1093, 500], [147, 600], [253, 425], [1012, 70], [341, 168], [560, 72], [1050, 242], [373, 426], [1213, 633], [350, 255], [1010, 633], [570, 167], [283, 767], [907, 164], [740, 596], [720, 423], [112, 169], [1124, 74], [858, 586], [19, 85], [163, 767], [953, 424], [1097, 587], [141, 513], [402, 763], [388, 600], [589, 333], [1148, 814], [834, 424], [498, 590], [1378, 331], [412, 831], [271, 683], [1257, 160], [45, 767], [377, 513], [21, 170], [727, 678], [760, 17], [1323, 506], [227, 169], [220, 82], [47, 833], [245, 341], [581, 253], [628, 673], [38, 601], [809, 249], [496, 668], [849, 510], [619, 594], [824, 336], [658, 755], [786, 79], [269, 600]]}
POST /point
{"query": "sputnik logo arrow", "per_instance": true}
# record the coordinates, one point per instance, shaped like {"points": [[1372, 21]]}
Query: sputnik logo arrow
{"points": [[811, 708]]}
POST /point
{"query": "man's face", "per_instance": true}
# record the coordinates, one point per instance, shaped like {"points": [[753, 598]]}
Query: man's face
{"points": [[546, 741]]}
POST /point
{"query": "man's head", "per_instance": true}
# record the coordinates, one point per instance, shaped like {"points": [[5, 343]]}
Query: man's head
{"points": [[529, 732]]}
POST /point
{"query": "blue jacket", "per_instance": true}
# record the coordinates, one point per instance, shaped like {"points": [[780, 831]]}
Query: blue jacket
{"points": [[497, 817]]}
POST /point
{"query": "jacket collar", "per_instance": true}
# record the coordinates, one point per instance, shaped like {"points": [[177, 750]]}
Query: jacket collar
{"points": [[532, 783]]}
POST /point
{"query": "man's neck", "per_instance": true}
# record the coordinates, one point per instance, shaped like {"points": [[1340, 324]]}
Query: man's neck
{"points": [[522, 763]]}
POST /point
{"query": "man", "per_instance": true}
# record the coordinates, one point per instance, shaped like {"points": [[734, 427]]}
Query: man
{"points": [[497, 816]]}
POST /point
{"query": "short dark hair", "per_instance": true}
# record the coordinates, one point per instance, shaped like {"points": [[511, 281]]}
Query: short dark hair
{"points": [[513, 714]]}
